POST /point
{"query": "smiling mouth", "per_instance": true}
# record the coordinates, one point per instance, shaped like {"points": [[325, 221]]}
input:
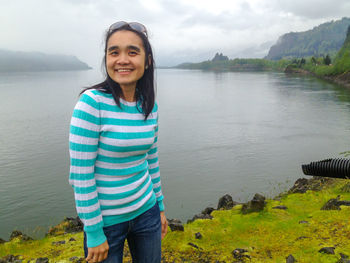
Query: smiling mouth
{"points": [[123, 70]]}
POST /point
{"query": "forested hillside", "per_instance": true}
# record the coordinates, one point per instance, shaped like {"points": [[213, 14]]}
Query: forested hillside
{"points": [[324, 39], [16, 61]]}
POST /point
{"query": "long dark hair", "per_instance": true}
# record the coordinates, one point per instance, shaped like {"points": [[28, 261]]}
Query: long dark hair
{"points": [[144, 93]]}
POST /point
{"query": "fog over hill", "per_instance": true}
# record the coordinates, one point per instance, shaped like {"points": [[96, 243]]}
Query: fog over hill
{"points": [[17, 61]]}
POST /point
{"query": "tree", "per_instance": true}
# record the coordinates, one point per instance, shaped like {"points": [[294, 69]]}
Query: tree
{"points": [[327, 60], [313, 59], [219, 57]]}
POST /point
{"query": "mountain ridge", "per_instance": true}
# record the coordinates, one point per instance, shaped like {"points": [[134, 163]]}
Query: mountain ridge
{"points": [[326, 38], [21, 61]]}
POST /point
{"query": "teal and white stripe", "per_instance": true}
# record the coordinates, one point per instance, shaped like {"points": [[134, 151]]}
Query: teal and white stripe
{"points": [[114, 162]]}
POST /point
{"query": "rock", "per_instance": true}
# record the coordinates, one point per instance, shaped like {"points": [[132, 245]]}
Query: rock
{"points": [[327, 250], [58, 243], [300, 186], [175, 225], [198, 235], [301, 237], [257, 204], [316, 183], [208, 211], [68, 225], [193, 245], [2, 241], [11, 259], [239, 254], [20, 235], [303, 222], [226, 202], [290, 259], [199, 216], [71, 239], [343, 258], [334, 204], [42, 260], [280, 207]]}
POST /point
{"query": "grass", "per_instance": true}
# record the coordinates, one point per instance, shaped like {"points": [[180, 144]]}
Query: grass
{"points": [[268, 236]]}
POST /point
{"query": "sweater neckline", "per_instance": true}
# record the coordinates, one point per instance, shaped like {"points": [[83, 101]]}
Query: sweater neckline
{"points": [[128, 103]]}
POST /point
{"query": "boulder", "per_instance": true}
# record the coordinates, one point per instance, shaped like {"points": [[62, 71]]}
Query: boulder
{"points": [[226, 202], [68, 225], [239, 254], [199, 216], [343, 258], [327, 250], [334, 204], [208, 211], [290, 259], [20, 235], [198, 235], [257, 204], [315, 183], [74, 225], [175, 225]]}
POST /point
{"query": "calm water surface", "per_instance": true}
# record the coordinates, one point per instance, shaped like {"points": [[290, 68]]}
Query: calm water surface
{"points": [[236, 133]]}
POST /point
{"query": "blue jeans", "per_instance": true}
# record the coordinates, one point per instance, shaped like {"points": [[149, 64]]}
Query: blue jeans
{"points": [[143, 234]]}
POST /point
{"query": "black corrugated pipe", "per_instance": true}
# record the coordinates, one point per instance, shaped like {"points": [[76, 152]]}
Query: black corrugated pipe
{"points": [[335, 168]]}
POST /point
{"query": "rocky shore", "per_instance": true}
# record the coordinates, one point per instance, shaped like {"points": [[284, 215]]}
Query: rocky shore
{"points": [[308, 223], [342, 79]]}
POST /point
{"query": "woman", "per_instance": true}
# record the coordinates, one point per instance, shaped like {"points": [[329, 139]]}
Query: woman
{"points": [[114, 159]]}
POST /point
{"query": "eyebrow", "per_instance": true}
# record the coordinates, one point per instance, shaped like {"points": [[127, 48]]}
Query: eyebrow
{"points": [[128, 47]]}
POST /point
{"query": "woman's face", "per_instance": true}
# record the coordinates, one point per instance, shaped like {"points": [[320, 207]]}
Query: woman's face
{"points": [[125, 58]]}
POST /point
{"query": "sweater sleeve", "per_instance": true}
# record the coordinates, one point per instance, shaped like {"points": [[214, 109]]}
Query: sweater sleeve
{"points": [[83, 145], [153, 163]]}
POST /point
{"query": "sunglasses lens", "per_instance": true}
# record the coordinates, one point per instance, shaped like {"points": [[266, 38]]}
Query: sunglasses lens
{"points": [[138, 27], [134, 25], [117, 25]]}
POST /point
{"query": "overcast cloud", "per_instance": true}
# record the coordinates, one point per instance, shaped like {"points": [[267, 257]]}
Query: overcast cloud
{"points": [[180, 30]]}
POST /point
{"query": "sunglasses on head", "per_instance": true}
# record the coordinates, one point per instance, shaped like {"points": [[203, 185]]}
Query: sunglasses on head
{"points": [[134, 25]]}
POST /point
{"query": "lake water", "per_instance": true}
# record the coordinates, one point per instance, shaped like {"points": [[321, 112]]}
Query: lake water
{"points": [[236, 133]]}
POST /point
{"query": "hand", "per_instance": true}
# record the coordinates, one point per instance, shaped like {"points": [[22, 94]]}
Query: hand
{"points": [[164, 222], [99, 253]]}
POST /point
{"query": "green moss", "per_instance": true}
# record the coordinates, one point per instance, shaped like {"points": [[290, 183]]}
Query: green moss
{"points": [[269, 236]]}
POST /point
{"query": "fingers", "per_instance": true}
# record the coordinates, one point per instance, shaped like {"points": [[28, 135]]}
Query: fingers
{"points": [[98, 254], [89, 256], [164, 222], [164, 229]]}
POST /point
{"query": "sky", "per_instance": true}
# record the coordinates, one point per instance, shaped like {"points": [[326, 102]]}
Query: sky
{"points": [[179, 30]]}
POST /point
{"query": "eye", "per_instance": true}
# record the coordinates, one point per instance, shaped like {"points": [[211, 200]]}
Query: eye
{"points": [[133, 53], [113, 53]]}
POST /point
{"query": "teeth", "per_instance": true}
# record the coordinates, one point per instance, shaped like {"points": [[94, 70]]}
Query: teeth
{"points": [[123, 70]]}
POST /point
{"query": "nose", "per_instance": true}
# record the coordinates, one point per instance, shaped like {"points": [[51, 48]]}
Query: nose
{"points": [[123, 59]]}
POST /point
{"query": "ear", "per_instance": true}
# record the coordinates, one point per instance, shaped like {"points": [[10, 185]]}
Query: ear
{"points": [[148, 61]]}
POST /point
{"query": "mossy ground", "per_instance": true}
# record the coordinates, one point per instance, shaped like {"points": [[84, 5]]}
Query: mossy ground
{"points": [[269, 236]]}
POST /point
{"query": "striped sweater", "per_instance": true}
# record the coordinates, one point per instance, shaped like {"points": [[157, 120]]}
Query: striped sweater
{"points": [[114, 167]]}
